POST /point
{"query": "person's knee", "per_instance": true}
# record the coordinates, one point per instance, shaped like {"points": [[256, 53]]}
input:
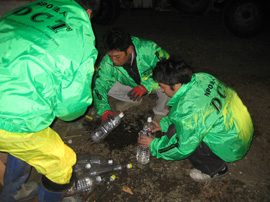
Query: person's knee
{"points": [[58, 167]]}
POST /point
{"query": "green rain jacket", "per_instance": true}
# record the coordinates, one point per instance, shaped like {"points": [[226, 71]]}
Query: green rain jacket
{"points": [[47, 58], [148, 54], [205, 110]]}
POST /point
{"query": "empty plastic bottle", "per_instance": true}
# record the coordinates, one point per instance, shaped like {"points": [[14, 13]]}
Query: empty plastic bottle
{"points": [[106, 168], [100, 190], [93, 159], [83, 184], [85, 162], [106, 127], [143, 153]]}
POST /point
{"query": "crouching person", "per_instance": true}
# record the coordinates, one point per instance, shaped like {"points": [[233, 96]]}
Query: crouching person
{"points": [[207, 122], [47, 59]]}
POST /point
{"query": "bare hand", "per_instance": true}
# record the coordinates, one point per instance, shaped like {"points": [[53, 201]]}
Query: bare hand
{"points": [[145, 141], [157, 128]]}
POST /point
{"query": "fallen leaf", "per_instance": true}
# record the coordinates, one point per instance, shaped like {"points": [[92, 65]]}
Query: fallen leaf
{"points": [[127, 189]]}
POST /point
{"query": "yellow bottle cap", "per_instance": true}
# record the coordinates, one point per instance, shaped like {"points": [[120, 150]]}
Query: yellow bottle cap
{"points": [[113, 177]]}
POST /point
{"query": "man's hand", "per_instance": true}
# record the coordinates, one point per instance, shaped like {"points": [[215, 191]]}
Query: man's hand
{"points": [[108, 114], [137, 92], [145, 141], [156, 128]]}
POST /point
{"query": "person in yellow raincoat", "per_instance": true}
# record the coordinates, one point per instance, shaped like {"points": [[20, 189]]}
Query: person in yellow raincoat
{"points": [[47, 59], [207, 122]]}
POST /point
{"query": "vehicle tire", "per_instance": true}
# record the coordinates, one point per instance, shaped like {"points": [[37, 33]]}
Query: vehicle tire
{"points": [[108, 12], [245, 18], [192, 7]]}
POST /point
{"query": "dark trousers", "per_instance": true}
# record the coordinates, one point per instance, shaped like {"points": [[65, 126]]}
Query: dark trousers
{"points": [[16, 174], [206, 161]]}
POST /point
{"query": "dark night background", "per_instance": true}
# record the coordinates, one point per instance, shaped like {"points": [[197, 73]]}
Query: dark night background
{"points": [[206, 44]]}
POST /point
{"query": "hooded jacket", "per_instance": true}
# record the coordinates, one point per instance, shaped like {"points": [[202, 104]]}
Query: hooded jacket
{"points": [[205, 109], [47, 58], [148, 54]]}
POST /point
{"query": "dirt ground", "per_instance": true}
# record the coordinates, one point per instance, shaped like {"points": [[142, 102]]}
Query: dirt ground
{"points": [[205, 44]]}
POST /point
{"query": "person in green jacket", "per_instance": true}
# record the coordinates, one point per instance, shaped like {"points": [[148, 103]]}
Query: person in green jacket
{"points": [[207, 122], [125, 72], [47, 59]]}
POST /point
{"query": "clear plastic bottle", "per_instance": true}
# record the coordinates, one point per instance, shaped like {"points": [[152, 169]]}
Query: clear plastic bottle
{"points": [[101, 169], [86, 161], [92, 158], [106, 127], [83, 184], [143, 153], [100, 190]]}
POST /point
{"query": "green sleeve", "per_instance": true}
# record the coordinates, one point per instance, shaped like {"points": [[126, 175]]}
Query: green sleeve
{"points": [[103, 82], [188, 132], [165, 123], [181, 145]]}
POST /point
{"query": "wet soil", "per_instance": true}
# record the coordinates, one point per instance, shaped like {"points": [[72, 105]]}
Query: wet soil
{"points": [[205, 44]]}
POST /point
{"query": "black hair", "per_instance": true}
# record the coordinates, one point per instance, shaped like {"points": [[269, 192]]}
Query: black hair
{"points": [[172, 71], [89, 4], [117, 39]]}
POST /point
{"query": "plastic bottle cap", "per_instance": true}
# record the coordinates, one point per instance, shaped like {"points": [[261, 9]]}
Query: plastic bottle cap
{"points": [[110, 161], [112, 178], [98, 178], [121, 115], [129, 165], [149, 119], [89, 180], [88, 166]]}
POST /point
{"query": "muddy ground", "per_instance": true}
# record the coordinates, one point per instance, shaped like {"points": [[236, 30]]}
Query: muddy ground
{"points": [[205, 44]]}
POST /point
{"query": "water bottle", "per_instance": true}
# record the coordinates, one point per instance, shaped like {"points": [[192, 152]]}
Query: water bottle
{"points": [[92, 158], [143, 153], [106, 127], [106, 168], [100, 190], [83, 184], [86, 161]]}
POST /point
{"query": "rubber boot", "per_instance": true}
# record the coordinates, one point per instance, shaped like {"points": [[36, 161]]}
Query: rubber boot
{"points": [[51, 191], [49, 196], [16, 174]]}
